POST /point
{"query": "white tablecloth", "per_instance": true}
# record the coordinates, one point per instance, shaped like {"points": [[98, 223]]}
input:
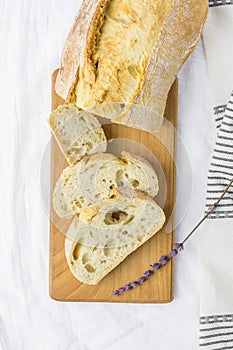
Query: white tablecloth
{"points": [[32, 34]]}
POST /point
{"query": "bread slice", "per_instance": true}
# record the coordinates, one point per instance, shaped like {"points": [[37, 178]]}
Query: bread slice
{"points": [[127, 172], [77, 132], [96, 177], [103, 235], [60, 203], [121, 55], [75, 192]]}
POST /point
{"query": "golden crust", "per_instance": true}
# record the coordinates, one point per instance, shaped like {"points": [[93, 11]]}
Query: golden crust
{"points": [[189, 17], [171, 51], [78, 44], [178, 36]]}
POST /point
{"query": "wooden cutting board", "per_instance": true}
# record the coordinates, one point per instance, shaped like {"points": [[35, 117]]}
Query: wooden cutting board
{"points": [[159, 288]]}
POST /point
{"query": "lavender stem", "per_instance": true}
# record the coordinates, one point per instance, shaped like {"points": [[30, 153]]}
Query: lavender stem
{"points": [[177, 248]]}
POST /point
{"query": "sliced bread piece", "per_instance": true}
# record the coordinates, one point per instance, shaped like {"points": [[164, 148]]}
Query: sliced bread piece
{"points": [[129, 171], [103, 235], [77, 132], [77, 194], [60, 203], [95, 177]]}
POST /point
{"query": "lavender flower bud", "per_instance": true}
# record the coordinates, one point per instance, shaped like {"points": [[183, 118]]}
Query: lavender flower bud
{"points": [[141, 280], [116, 293], [163, 260], [148, 273], [173, 253], [155, 266], [121, 290], [127, 287], [134, 284], [178, 246]]}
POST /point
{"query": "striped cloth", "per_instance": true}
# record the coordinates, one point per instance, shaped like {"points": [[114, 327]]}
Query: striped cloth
{"points": [[216, 299], [213, 3], [221, 168], [216, 332]]}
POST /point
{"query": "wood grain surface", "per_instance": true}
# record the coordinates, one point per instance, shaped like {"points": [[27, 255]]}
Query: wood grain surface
{"points": [[159, 288]]}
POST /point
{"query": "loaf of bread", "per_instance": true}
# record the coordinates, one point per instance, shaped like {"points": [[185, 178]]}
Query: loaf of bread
{"points": [[77, 132], [122, 56], [96, 177], [103, 235]]}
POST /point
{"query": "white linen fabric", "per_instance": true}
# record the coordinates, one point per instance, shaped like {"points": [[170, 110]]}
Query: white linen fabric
{"points": [[216, 300], [32, 35]]}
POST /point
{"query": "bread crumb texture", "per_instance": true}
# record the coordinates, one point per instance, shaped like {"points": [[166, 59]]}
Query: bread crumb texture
{"points": [[98, 241], [97, 177], [77, 132]]}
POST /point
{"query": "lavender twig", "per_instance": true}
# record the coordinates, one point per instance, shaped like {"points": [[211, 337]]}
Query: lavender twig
{"points": [[173, 253]]}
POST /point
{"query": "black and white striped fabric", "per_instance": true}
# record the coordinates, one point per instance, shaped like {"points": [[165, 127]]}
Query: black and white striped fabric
{"points": [[221, 168], [216, 332], [216, 299], [218, 113], [213, 3]]}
